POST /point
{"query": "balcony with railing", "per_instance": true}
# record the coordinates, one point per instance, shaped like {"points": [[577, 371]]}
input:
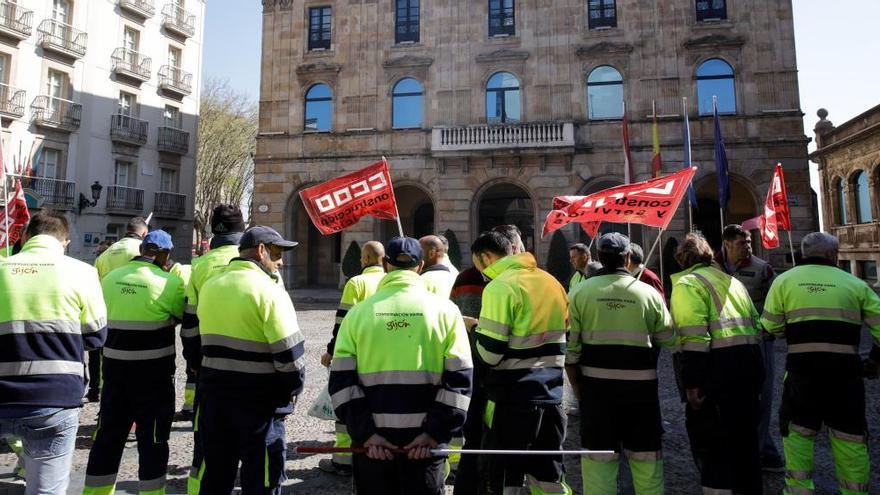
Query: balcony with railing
{"points": [[177, 20], [56, 113], [62, 38], [15, 21], [11, 101], [125, 199], [142, 8], [175, 80], [173, 140], [858, 236], [132, 64], [50, 192], [128, 130], [169, 204], [487, 137]]}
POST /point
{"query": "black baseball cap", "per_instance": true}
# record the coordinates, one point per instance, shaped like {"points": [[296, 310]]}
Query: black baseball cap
{"points": [[260, 234], [614, 243], [403, 252]]}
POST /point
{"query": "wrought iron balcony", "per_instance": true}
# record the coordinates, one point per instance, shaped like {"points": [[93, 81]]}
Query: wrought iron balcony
{"points": [[177, 20], [502, 136], [62, 38], [16, 21], [128, 130], [131, 63], [173, 140], [51, 192], [11, 101], [169, 204], [142, 8], [125, 199], [56, 113], [175, 80]]}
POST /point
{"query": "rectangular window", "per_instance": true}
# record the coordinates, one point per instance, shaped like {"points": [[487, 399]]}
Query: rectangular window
{"points": [[123, 175], [407, 21], [174, 56], [319, 28], [711, 10], [171, 117], [845, 265], [602, 14], [131, 39], [4, 68], [127, 104], [167, 180], [868, 270], [502, 18], [47, 164], [56, 84]]}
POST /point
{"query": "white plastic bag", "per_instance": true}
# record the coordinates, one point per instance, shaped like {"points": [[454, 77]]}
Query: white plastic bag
{"points": [[322, 407]]}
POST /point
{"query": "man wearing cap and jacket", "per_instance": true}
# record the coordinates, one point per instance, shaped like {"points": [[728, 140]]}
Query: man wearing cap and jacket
{"points": [[144, 304], [252, 368], [401, 378], [227, 224]]}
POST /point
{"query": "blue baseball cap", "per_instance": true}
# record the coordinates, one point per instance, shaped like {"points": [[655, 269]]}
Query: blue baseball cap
{"points": [[613, 243], [159, 239], [403, 252], [261, 234]]}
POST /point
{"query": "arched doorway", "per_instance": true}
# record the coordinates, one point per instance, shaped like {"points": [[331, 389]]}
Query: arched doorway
{"points": [[315, 261], [505, 203], [707, 217], [416, 209]]}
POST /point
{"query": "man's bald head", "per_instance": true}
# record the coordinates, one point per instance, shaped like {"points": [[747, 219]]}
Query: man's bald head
{"points": [[433, 250], [372, 254]]}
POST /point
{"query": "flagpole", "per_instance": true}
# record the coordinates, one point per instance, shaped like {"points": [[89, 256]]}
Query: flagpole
{"points": [[5, 196], [627, 162], [720, 206], [399, 225], [639, 273], [662, 277], [791, 248], [689, 160]]}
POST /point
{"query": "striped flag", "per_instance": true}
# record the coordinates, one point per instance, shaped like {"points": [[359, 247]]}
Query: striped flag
{"points": [[627, 155], [656, 159], [720, 161], [686, 163]]}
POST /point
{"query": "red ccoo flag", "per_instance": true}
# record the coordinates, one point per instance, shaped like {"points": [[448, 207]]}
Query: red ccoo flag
{"points": [[15, 216], [652, 202], [769, 226], [339, 203], [780, 199]]}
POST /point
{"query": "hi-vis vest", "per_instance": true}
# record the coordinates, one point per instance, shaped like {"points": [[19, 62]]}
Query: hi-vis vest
{"points": [[251, 343], [51, 310], [144, 304], [356, 290], [521, 334], [402, 364], [616, 322], [820, 309], [117, 255]]}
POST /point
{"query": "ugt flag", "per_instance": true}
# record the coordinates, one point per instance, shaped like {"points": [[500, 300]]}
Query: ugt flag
{"points": [[652, 202], [16, 214], [769, 226], [339, 203], [780, 199]]}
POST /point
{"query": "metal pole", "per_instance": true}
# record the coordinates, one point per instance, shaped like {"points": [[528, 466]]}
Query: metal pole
{"points": [[6, 208], [791, 248], [438, 452], [399, 225], [638, 274], [662, 277]]}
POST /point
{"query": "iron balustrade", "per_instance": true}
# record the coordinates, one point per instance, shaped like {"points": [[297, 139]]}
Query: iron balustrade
{"points": [[48, 111], [16, 20], [176, 18], [145, 8], [128, 129], [169, 204], [132, 63], [173, 140], [175, 79], [11, 101], [64, 38], [125, 198]]}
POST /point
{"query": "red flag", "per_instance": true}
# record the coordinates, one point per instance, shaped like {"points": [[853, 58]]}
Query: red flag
{"points": [[16, 215], [339, 203], [591, 228], [780, 199], [769, 227], [652, 202], [627, 155], [752, 223]]}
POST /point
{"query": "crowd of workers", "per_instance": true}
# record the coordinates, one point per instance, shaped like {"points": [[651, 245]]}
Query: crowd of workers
{"points": [[424, 357]]}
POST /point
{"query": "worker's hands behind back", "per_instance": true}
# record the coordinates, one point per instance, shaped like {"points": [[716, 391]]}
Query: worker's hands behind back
{"points": [[378, 448], [420, 447]]}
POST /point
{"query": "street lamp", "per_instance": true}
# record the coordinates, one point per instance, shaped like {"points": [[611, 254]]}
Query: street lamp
{"points": [[96, 195]]}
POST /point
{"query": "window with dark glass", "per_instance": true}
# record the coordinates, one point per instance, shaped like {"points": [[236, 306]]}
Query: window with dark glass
{"points": [[602, 14], [863, 198], [605, 93], [840, 197], [319, 109], [502, 99], [407, 21], [406, 104], [715, 78], [319, 27], [502, 18], [711, 10]]}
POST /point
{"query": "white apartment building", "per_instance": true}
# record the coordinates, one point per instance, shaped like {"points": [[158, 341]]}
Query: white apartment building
{"points": [[101, 98]]}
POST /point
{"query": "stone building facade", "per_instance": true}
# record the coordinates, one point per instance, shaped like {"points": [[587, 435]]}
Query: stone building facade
{"points": [[849, 171], [485, 110]]}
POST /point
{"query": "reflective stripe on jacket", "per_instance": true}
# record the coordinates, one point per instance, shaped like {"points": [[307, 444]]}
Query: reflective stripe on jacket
{"points": [[521, 334], [402, 364], [51, 311]]}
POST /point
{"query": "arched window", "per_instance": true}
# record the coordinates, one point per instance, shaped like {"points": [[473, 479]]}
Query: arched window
{"points": [[406, 104], [319, 108], [605, 93], [502, 99], [863, 197], [715, 78], [840, 199]]}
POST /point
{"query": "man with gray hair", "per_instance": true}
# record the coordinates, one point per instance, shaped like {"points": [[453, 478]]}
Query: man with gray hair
{"points": [[636, 262], [821, 310]]}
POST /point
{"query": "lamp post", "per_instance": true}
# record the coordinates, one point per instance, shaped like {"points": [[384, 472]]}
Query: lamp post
{"points": [[96, 195]]}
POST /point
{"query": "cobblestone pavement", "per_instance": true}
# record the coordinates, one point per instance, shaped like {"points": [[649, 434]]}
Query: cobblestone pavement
{"points": [[316, 321]]}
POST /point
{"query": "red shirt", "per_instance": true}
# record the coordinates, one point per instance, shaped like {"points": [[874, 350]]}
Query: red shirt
{"points": [[654, 281]]}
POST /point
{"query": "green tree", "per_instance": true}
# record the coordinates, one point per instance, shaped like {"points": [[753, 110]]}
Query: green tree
{"points": [[351, 262], [454, 248], [558, 263]]}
